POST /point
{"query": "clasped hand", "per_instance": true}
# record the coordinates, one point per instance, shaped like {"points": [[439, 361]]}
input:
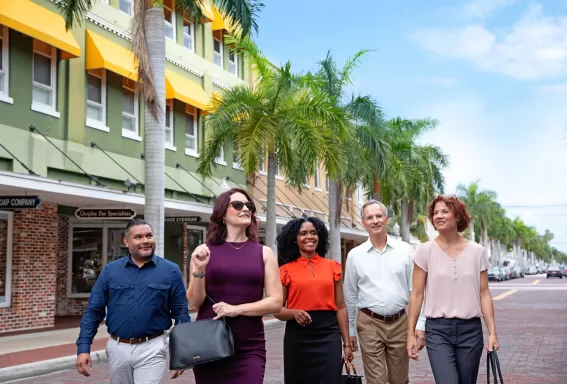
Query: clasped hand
{"points": [[223, 309]]}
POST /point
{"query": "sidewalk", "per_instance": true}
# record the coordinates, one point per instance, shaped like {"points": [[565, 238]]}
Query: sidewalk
{"points": [[45, 351]]}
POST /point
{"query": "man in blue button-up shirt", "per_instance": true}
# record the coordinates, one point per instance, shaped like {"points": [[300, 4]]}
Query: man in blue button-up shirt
{"points": [[140, 294]]}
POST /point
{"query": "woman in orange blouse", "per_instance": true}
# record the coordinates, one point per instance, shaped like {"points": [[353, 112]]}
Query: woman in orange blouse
{"points": [[313, 305]]}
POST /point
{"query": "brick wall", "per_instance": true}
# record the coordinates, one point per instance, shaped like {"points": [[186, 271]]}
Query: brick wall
{"points": [[65, 305], [34, 270], [3, 255]]}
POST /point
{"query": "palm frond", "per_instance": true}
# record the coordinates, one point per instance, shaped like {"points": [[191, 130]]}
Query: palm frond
{"points": [[74, 11], [241, 14]]}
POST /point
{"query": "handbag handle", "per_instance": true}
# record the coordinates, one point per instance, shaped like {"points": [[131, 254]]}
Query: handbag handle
{"points": [[492, 360], [347, 366], [353, 367]]}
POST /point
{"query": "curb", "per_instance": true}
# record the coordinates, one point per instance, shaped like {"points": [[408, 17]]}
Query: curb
{"points": [[24, 371]]}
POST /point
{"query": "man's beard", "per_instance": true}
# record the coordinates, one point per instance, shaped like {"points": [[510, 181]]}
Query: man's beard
{"points": [[138, 255]]}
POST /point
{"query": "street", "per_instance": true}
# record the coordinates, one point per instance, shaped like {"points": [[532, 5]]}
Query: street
{"points": [[531, 318]]}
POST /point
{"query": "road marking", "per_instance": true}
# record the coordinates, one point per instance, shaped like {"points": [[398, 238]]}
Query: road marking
{"points": [[535, 282], [505, 294]]}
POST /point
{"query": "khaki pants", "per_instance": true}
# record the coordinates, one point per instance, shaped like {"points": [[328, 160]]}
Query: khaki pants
{"points": [[384, 349]]}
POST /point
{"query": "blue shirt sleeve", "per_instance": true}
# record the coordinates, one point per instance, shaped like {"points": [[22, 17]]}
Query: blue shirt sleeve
{"points": [[94, 314], [178, 298]]}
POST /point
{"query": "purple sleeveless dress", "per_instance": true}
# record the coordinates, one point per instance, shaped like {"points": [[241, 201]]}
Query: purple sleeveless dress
{"points": [[236, 277]]}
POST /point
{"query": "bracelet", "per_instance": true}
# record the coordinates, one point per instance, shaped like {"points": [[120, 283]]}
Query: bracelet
{"points": [[347, 345]]}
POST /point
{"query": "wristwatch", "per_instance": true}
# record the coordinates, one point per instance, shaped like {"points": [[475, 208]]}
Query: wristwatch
{"points": [[199, 275]]}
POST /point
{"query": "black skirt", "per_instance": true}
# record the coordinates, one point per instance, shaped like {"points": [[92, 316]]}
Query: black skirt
{"points": [[313, 353]]}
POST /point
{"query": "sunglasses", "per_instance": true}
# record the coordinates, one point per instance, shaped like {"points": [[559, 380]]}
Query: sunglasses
{"points": [[238, 205]]}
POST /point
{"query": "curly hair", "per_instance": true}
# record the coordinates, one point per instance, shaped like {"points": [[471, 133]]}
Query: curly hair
{"points": [[288, 250], [456, 206], [217, 228]]}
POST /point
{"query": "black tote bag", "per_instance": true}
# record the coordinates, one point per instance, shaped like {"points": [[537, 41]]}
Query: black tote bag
{"points": [[199, 342], [348, 378], [492, 362]]}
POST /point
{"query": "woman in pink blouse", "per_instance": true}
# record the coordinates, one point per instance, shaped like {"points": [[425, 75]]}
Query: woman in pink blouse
{"points": [[451, 272]]}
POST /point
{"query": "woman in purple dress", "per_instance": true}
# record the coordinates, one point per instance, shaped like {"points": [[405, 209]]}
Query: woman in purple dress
{"points": [[233, 269]]}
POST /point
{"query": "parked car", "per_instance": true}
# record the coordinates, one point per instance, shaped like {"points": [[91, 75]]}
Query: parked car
{"points": [[554, 272], [562, 269], [519, 272], [506, 273], [495, 274]]}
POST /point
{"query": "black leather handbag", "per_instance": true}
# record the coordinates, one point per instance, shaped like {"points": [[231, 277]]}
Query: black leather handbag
{"points": [[199, 342], [348, 378], [492, 361]]}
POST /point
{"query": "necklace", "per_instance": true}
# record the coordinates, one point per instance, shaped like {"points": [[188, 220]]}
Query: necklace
{"points": [[238, 247]]}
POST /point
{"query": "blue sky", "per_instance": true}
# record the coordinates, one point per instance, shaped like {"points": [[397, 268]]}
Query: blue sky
{"points": [[492, 72]]}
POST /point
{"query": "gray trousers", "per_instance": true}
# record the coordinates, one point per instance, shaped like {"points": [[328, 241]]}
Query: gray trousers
{"points": [[143, 363], [454, 347]]}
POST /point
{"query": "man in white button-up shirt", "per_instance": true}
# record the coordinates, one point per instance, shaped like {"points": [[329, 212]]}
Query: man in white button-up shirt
{"points": [[377, 287]]}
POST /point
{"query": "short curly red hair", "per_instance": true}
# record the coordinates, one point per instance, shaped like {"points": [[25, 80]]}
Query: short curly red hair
{"points": [[456, 206]]}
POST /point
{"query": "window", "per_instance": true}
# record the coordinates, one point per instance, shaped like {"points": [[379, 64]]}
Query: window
{"points": [[195, 237], [86, 259], [96, 99], [218, 52], [6, 228], [169, 16], [188, 33], [169, 125], [327, 183], [235, 163], [4, 66], [44, 97], [317, 183], [126, 6], [263, 167], [91, 247], [220, 157], [129, 109], [191, 131], [232, 63]]}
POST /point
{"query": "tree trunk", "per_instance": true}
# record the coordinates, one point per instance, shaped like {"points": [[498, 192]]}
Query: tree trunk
{"points": [[404, 223], [335, 220], [376, 190], [471, 227], [154, 135], [271, 227], [411, 204]]}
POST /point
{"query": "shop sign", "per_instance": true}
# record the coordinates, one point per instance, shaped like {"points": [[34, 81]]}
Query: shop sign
{"points": [[19, 202], [184, 219], [105, 213]]}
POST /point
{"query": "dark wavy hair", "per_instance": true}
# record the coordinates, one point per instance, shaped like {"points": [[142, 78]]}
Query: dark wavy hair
{"points": [[456, 206], [288, 250], [217, 228]]}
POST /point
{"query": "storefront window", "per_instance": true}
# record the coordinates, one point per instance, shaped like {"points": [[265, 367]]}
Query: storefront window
{"points": [[195, 237], [87, 259], [116, 246], [5, 258]]}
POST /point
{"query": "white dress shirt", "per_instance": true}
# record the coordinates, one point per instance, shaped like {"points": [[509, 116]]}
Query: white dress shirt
{"points": [[379, 280]]}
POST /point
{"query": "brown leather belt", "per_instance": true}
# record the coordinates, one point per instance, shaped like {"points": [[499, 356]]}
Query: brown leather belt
{"points": [[387, 319], [136, 340]]}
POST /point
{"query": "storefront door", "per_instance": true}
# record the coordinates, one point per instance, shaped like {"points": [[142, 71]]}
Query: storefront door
{"points": [[195, 237]]}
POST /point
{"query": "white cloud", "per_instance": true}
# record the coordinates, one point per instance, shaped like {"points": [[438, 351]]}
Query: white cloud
{"points": [[535, 47], [483, 8], [522, 157], [554, 88]]}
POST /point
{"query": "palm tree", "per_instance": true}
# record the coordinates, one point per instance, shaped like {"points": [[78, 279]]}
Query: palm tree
{"points": [[148, 45], [279, 118], [415, 175], [478, 203], [366, 152]]}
